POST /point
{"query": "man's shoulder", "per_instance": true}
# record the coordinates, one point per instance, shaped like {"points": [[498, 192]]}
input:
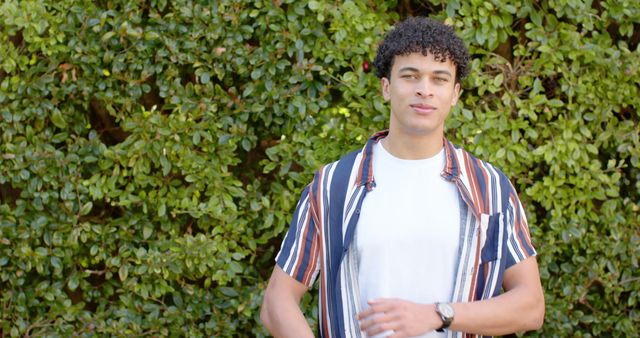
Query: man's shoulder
{"points": [[337, 172], [347, 160], [474, 166]]}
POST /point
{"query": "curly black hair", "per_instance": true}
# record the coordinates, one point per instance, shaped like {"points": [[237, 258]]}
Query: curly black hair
{"points": [[426, 36]]}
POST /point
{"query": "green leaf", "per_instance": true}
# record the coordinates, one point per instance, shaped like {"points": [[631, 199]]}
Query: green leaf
{"points": [[56, 263], [150, 35], [166, 165], [58, 119], [205, 77], [107, 36], [314, 5], [73, 282], [235, 267], [86, 208], [162, 210], [536, 18], [123, 272], [147, 231], [227, 291], [555, 103], [246, 144], [497, 81]]}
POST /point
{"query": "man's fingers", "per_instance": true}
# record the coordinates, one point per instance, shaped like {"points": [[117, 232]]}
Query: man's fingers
{"points": [[382, 304], [374, 307], [382, 327], [398, 334], [377, 320], [373, 320], [382, 316], [366, 313]]}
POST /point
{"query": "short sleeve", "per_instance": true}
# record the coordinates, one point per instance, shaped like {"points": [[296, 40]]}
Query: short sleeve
{"points": [[300, 249], [519, 245]]}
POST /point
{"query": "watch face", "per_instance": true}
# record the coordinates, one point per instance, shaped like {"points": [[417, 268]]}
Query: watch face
{"points": [[446, 310]]}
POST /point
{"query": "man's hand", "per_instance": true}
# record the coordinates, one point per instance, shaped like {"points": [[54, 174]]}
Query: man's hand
{"points": [[403, 318]]}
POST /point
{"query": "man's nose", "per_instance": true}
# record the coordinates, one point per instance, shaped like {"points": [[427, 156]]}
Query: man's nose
{"points": [[423, 88]]}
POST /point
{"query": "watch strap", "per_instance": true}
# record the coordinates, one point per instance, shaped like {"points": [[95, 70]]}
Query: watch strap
{"points": [[446, 321]]}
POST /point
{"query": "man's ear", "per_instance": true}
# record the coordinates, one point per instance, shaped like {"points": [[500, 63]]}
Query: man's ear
{"points": [[386, 92], [456, 94]]}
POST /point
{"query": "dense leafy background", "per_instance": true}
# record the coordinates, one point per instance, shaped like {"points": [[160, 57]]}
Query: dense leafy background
{"points": [[152, 151]]}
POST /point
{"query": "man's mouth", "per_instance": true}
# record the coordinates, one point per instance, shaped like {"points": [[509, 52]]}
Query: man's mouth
{"points": [[423, 108]]}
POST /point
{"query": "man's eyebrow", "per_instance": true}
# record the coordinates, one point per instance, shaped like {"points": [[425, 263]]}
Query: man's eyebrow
{"points": [[443, 72], [408, 69], [415, 70]]}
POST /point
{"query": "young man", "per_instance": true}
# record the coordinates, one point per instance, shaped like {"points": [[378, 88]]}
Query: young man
{"points": [[410, 236]]}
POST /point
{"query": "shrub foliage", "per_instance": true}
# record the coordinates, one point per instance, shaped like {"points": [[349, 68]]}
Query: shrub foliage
{"points": [[152, 151]]}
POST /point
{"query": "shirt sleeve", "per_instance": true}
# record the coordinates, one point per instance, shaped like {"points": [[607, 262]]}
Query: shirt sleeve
{"points": [[300, 249], [519, 246]]}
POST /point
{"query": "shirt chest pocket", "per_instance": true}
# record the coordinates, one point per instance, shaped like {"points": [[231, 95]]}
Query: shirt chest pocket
{"points": [[492, 236]]}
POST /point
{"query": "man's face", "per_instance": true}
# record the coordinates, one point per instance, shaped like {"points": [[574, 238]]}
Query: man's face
{"points": [[421, 92]]}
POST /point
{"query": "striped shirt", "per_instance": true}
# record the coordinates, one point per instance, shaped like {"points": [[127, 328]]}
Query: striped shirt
{"points": [[494, 233]]}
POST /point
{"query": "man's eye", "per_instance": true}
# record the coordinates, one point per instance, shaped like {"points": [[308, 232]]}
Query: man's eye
{"points": [[441, 79]]}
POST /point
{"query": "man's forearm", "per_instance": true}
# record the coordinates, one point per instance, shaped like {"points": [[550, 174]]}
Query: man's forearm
{"points": [[284, 319], [508, 313], [280, 311], [520, 308]]}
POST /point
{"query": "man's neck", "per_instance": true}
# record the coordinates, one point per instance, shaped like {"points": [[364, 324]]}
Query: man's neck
{"points": [[411, 147]]}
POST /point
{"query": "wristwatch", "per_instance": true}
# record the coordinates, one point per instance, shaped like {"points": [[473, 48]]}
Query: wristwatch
{"points": [[446, 313]]}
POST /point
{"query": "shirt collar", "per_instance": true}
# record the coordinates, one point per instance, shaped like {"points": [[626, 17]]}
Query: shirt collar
{"points": [[365, 177]]}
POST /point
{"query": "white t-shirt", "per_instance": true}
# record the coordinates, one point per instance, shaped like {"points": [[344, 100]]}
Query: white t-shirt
{"points": [[408, 232]]}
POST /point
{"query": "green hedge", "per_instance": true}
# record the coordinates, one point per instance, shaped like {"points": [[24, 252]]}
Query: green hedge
{"points": [[152, 151]]}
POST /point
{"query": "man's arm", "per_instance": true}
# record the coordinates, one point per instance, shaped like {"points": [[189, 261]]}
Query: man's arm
{"points": [[280, 311], [519, 308]]}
